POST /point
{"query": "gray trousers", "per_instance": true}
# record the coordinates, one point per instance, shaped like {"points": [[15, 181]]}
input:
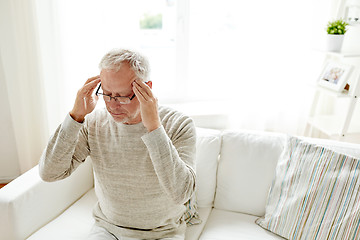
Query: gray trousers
{"points": [[99, 233]]}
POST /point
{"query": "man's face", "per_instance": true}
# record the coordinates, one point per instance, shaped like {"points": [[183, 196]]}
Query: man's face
{"points": [[120, 84]]}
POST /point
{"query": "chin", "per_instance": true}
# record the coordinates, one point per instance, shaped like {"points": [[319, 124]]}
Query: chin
{"points": [[126, 118], [120, 118]]}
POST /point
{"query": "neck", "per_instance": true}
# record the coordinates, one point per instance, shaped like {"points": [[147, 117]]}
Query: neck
{"points": [[133, 121]]}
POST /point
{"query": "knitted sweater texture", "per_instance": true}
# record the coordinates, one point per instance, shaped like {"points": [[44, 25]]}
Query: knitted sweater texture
{"points": [[142, 180]]}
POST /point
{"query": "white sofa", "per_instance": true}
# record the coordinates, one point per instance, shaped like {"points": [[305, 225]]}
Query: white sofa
{"points": [[234, 170]]}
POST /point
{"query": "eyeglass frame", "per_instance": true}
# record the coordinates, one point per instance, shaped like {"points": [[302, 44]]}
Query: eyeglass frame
{"points": [[97, 93], [111, 97]]}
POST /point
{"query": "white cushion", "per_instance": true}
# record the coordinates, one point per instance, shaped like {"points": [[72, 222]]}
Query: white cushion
{"points": [[225, 225], [246, 168], [207, 153], [193, 232]]}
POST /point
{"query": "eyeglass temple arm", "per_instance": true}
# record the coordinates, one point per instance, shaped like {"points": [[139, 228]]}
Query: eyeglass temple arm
{"points": [[97, 90]]}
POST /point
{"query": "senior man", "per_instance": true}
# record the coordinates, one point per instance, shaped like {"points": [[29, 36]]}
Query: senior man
{"points": [[143, 154]]}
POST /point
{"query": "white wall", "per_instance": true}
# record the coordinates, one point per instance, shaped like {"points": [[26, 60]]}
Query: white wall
{"points": [[352, 39]]}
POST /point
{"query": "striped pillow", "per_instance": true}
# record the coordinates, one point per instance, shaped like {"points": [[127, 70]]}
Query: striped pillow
{"points": [[315, 194]]}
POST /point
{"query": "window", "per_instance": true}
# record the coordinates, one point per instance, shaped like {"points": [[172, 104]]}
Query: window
{"points": [[87, 33], [246, 51]]}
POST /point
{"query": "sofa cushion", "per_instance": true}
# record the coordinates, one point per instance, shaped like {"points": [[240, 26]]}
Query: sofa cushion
{"points": [[194, 232], [315, 194], [226, 225], [246, 168], [75, 223], [207, 153]]}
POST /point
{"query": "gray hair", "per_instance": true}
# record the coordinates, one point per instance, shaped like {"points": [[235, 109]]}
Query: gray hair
{"points": [[138, 63]]}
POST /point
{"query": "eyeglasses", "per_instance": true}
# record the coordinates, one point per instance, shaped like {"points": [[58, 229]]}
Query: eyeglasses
{"points": [[119, 99]]}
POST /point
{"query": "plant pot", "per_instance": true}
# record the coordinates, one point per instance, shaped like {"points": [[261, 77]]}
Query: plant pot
{"points": [[334, 42]]}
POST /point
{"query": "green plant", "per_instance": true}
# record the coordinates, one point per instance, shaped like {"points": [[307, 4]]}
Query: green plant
{"points": [[337, 27], [151, 21]]}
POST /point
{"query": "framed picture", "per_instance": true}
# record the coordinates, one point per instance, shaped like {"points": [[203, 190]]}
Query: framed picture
{"points": [[334, 75]]}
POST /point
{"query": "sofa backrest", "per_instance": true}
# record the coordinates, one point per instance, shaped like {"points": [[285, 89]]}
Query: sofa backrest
{"points": [[208, 149], [351, 149], [235, 168], [246, 168]]}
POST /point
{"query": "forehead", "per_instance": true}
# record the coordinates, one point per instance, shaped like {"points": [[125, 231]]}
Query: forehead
{"points": [[117, 81]]}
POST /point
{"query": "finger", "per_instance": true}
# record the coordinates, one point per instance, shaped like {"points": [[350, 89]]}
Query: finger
{"points": [[90, 100], [91, 85], [145, 92], [144, 87], [142, 84], [88, 88], [138, 94], [92, 79], [146, 96]]}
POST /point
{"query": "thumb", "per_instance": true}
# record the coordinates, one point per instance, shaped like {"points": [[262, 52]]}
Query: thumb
{"points": [[90, 103]]}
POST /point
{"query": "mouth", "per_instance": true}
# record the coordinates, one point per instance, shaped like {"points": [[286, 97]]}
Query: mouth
{"points": [[116, 114]]}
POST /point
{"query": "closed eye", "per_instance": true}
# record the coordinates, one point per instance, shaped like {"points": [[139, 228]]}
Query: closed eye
{"points": [[110, 95]]}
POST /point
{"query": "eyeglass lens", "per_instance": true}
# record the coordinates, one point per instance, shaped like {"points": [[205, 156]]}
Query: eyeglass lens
{"points": [[122, 100]]}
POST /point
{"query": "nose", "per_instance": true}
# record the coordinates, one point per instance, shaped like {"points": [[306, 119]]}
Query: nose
{"points": [[113, 104]]}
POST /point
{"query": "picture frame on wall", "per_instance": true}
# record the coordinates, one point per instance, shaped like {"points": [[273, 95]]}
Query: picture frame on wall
{"points": [[334, 75]]}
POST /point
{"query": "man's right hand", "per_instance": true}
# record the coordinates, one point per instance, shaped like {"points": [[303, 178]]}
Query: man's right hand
{"points": [[85, 101]]}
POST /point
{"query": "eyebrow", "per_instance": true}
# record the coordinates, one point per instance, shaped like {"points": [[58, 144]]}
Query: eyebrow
{"points": [[117, 95]]}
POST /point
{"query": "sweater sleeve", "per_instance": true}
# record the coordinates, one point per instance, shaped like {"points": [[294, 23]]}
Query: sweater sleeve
{"points": [[66, 150], [174, 159]]}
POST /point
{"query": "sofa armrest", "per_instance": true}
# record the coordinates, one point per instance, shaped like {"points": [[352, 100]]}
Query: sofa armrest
{"points": [[28, 203]]}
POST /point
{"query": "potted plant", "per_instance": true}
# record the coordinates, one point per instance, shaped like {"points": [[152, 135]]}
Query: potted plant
{"points": [[336, 30]]}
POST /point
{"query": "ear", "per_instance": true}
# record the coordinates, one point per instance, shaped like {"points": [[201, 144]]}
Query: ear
{"points": [[149, 83]]}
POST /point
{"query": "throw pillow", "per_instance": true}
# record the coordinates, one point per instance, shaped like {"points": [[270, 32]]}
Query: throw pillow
{"points": [[191, 216], [315, 194]]}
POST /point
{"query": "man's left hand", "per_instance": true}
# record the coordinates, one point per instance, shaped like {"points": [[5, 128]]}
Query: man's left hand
{"points": [[148, 105]]}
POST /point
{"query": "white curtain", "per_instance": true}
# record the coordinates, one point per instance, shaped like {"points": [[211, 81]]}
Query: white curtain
{"points": [[24, 86]]}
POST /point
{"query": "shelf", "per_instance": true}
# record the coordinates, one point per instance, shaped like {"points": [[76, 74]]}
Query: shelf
{"points": [[339, 54], [344, 94], [331, 125], [343, 54]]}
